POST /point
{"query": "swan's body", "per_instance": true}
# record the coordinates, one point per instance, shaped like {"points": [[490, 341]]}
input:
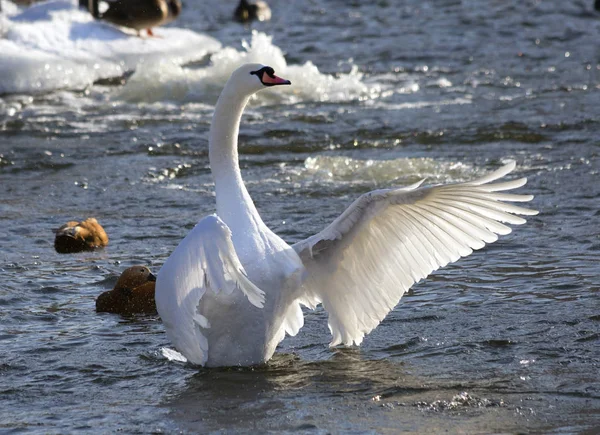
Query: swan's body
{"points": [[232, 289]]}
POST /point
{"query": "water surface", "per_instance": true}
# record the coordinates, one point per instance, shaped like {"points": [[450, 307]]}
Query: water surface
{"points": [[506, 340]]}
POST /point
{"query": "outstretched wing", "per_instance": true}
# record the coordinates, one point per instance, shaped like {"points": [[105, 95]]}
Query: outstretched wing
{"points": [[204, 261], [360, 266]]}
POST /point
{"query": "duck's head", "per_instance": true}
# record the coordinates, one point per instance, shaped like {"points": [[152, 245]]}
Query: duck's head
{"points": [[134, 277], [252, 77]]}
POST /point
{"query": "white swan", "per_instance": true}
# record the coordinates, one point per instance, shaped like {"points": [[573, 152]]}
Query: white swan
{"points": [[232, 289]]}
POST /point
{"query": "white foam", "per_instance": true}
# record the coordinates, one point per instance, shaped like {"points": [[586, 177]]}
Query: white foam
{"points": [[172, 355], [56, 45], [419, 104], [176, 83], [342, 169]]}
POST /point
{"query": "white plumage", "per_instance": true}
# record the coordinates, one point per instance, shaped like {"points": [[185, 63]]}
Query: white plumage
{"points": [[232, 289]]}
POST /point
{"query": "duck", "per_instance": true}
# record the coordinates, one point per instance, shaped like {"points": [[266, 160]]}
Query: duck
{"points": [[74, 236], [23, 2], [133, 293], [246, 11], [135, 14], [232, 289]]}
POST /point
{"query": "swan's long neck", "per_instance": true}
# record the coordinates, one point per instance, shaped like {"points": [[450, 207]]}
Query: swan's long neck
{"points": [[234, 204]]}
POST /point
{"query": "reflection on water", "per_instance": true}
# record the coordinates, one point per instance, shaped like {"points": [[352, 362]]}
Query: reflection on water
{"points": [[371, 395], [287, 392]]}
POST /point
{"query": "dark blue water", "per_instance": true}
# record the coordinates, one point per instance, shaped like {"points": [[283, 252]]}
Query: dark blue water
{"points": [[506, 340]]}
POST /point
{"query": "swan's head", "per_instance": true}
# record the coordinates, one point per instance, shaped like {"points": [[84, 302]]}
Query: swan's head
{"points": [[252, 77]]}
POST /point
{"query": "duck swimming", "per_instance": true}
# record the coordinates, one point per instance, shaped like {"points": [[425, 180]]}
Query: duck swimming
{"points": [[246, 11], [232, 289], [133, 293], [76, 236], [136, 14]]}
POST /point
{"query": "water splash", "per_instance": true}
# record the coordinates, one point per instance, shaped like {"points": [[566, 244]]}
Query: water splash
{"points": [[172, 355], [458, 402], [168, 81]]}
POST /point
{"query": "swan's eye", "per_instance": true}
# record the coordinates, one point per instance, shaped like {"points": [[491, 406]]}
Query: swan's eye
{"points": [[258, 72], [267, 77], [264, 70]]}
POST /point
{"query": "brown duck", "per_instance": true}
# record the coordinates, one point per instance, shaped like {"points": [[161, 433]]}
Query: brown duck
{"points": [[133, 293], [75, 236], [136, 14]]}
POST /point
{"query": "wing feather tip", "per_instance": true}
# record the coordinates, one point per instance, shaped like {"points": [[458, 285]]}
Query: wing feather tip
{"points": [[335, 342], [258, 300]]}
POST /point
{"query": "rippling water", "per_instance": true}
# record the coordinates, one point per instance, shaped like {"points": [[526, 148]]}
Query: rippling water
{"points": [[505, 340]]}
